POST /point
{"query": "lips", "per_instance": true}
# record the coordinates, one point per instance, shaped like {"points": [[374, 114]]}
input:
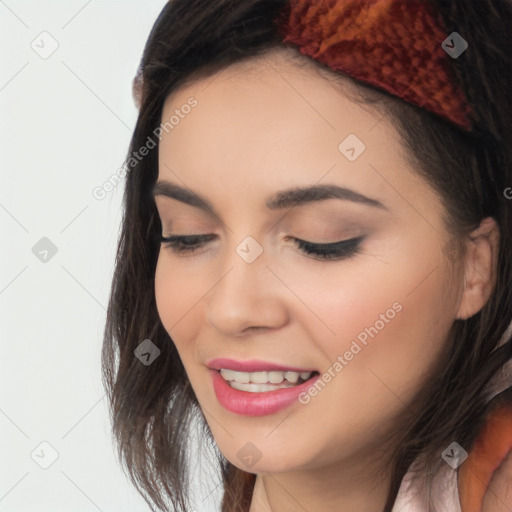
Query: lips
{"points": [[257, 404], [254, 365]]}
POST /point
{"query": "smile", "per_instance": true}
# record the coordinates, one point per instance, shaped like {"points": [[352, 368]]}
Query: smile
{"points": [[259, 398], [258, 382]]}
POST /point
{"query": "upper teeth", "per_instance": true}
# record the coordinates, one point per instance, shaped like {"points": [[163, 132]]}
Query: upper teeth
{"points": [[264, 377]]}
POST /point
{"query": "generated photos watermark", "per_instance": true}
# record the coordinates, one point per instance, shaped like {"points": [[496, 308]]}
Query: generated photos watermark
{"points": [[100, 192], [355, 347]]}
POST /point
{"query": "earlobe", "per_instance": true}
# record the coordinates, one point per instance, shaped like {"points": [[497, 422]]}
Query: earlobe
{"points": [[479, 268]]}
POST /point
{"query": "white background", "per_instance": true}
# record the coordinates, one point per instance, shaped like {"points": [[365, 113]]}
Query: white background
{"points": [[65, 125]]}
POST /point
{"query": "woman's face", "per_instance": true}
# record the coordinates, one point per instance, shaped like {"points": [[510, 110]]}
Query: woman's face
{"points": [[374, 319]]}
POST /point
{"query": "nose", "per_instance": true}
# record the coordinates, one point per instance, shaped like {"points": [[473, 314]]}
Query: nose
{"points": [[247, 296]]}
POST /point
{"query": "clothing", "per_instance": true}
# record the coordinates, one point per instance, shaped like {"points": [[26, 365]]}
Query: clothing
{"points": [[404, 51], [492, 453], [464, 489]]}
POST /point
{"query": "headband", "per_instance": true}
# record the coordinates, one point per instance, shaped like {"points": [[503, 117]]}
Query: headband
{"points": [[394, 45]]}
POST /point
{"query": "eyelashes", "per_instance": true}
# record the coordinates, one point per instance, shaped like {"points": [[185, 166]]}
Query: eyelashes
{"points": [[181, 244], [335, 250]]}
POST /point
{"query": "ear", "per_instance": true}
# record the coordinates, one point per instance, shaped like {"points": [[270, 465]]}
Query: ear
{"points": [[480, 268]]}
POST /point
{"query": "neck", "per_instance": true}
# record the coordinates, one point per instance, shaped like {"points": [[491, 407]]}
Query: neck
{"points": [[333, 488]]}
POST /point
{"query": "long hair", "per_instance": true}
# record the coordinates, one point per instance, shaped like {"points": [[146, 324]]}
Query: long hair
{"points": [[153, 408]]}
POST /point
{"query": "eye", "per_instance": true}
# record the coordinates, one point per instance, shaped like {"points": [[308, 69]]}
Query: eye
{"points": [[184, 243], [332, 251]]}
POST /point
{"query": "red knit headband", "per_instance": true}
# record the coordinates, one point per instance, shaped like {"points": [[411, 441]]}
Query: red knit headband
{"points": [[394, 45]]}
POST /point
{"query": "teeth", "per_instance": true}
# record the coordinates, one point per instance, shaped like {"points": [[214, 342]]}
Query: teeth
{"points": [[275, 377], [258, 388], [264, 377]]}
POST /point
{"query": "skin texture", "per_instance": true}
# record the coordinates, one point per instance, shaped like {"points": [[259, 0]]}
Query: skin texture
{"points": [[267, 125]]}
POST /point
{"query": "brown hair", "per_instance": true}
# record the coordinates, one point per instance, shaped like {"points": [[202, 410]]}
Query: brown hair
{"points": [[153, 407]]}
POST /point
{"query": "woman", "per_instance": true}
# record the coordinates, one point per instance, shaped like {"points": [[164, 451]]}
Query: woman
{"points": [[314, 256]]}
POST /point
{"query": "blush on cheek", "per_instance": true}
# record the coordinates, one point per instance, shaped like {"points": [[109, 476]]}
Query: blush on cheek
{"points": [[168, 307], [405, 349], [386, 328], [177, 299]]}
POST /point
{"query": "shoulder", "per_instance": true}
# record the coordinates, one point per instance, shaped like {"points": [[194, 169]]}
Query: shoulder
{"points": [[485, 478], [498, 497]]}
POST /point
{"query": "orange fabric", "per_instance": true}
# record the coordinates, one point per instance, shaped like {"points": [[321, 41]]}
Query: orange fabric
{"points": [[493, 445], [394, 45]]}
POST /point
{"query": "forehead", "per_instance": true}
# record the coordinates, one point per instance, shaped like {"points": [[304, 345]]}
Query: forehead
{"points": [[282, 85], [274, 121], [262, 103]]}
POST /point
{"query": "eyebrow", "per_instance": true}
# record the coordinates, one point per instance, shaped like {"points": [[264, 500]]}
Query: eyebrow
{"points": [[284, 199]]}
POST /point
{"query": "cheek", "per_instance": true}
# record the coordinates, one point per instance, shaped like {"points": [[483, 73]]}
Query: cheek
{"points": [[176, 294], [387, 324], [388, 332]]}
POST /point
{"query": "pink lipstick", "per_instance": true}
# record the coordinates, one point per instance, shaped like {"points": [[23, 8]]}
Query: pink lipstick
{"points": [[249, 403]]}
